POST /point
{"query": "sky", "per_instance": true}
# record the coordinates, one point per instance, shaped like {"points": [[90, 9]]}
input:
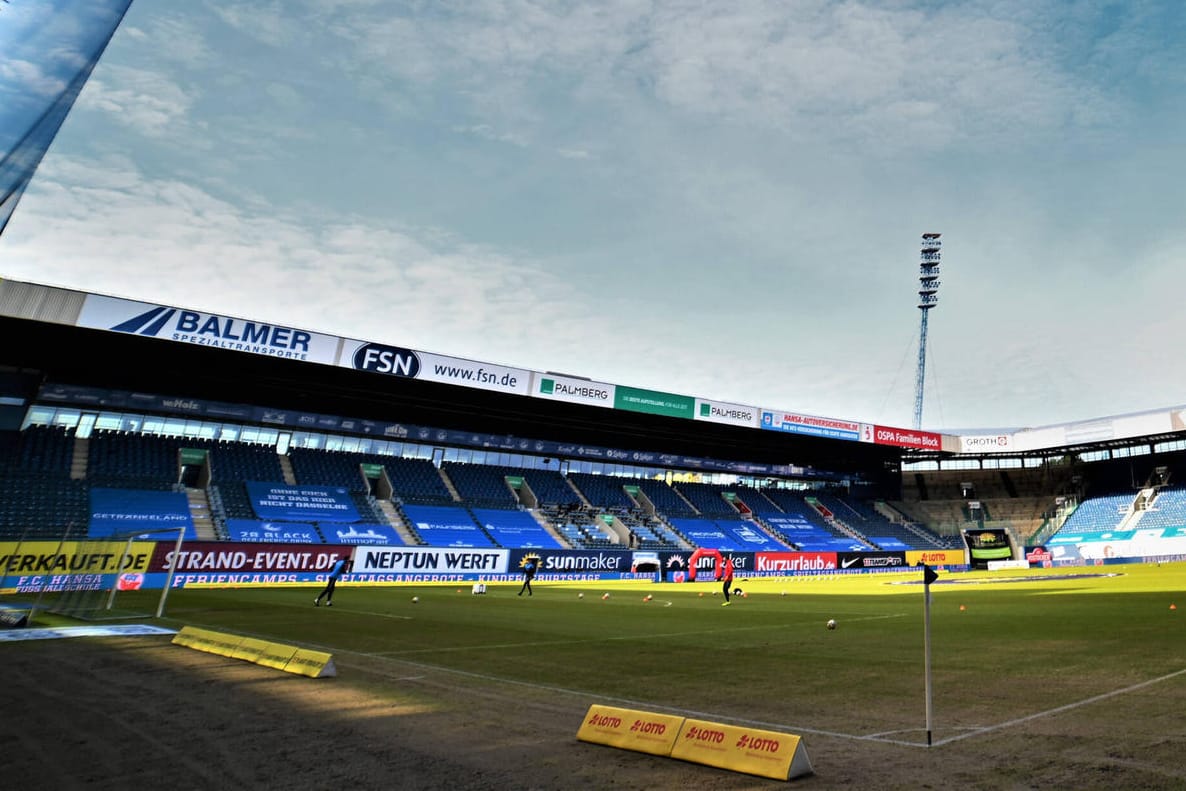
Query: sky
{"points": [[715, 199]]}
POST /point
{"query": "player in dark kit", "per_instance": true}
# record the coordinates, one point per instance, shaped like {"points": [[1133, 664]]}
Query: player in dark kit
{"points": [[530, 566], [727, 579], [342, 566]]}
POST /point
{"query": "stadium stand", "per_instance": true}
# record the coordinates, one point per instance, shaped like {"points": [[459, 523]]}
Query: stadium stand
{"points": [[1168, 509], [38, 497], [330, 468], [446, 526], [483, 486], [1098, 514], [603, 491], [136, 461], [708, 499], [241, 461], [665, 499], [729, 536], [549, 487], [45, 450], [875, 528], [43, 507], [417, 481], [514, 529]]}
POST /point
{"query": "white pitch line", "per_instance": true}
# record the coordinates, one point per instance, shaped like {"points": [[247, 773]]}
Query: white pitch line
{"points": [[379, 614], [629, 702], [756, 723], [1060, 709], [648, 636], [339, 608]]}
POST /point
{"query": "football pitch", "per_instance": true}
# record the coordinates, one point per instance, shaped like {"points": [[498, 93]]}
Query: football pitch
{"points": [[1058, 677]]}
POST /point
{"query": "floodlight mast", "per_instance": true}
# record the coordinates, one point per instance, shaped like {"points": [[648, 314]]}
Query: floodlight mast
{"points": [[928, 297]]}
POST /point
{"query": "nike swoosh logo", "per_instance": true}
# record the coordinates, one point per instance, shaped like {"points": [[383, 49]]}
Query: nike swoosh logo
{"points": [[846, 563]]}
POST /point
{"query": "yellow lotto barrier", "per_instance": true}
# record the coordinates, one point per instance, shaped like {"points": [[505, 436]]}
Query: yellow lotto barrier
{"points": [[250, 649], [311, 663], [630, 730], [750, 750], [289, 658], [276, 655], [781, 756]]}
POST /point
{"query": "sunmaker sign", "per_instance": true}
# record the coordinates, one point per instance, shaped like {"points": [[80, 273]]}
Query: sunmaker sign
{"points": [[206, 329]]}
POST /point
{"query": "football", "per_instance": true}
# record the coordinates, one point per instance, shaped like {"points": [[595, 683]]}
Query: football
{"points": [[415, 600], [831, 624]]}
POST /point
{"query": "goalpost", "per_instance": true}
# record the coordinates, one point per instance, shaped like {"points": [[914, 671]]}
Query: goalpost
{"points": [[91, 579]]}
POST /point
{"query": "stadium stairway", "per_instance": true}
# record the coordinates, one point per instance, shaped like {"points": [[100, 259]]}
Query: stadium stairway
{"points": [[550, 528], [449, 484], [396, 520], [286, 468], [580, 495], [78, 462], [199, 511]]}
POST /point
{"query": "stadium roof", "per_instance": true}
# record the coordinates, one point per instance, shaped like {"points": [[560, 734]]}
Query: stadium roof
{"points": [[71, 338]]}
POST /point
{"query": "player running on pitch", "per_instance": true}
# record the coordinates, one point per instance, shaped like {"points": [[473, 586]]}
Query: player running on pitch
{"points": [[342, 566]]}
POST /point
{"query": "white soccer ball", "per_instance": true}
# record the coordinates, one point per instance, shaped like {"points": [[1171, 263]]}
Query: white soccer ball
{"points": [[831, 624], [416, 600], [580, 595]]}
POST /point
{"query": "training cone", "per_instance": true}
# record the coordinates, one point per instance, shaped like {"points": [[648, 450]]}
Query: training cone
{"points": [[962, 608]]}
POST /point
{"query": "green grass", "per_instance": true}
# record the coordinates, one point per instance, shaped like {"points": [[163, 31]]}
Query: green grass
{"points": [[767, 658]]}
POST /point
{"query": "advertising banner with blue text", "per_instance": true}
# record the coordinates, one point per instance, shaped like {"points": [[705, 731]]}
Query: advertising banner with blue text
{"points": [[125, 511], [259, 532], [281, 502], [360, 534], [35, 566], [206, 329], [431, 564], [813, 425]]}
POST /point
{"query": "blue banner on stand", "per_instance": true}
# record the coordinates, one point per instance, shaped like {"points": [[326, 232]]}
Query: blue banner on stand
{"points": [[281, 502], [123, 511], [260, 532]]}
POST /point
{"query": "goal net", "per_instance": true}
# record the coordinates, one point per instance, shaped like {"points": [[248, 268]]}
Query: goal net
{"points": [[90, 579]]}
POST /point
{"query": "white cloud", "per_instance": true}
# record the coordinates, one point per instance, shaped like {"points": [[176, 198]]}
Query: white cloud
{"points": [[487, 132], [849, 71], [144, 100], [270, 23], [29, 76]]}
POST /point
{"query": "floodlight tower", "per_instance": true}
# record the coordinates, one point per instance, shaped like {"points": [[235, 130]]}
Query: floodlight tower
{"points": [[928, 297]]}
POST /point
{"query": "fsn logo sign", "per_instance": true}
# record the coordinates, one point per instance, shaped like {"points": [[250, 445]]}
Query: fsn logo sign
{"points": [[391, 360]]}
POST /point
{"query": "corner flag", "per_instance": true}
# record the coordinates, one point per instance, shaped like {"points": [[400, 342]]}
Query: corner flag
{"points": [[928, 574]]}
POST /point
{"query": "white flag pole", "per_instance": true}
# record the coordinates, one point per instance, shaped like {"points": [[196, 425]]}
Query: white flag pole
{"points": [[927, 577]]}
